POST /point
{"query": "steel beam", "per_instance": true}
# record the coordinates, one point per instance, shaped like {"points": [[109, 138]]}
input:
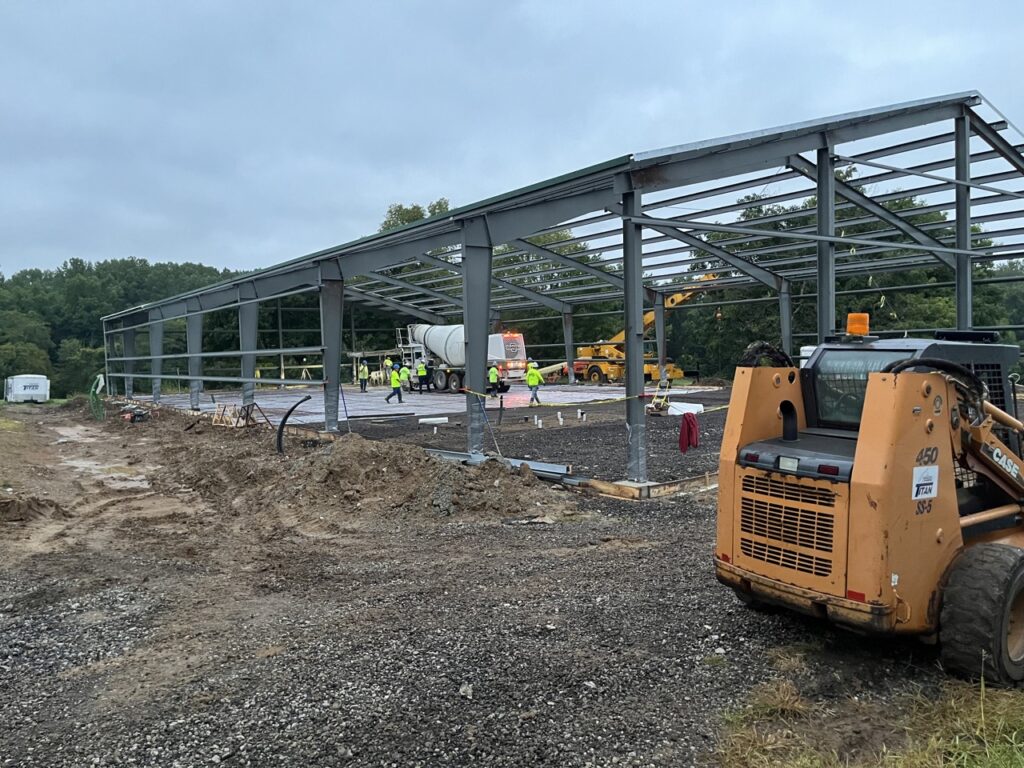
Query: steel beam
{"points": [[826, 215], [633, 286], [194, 345], [659, 333], [445, 297], [477, 253], [128, 347], [540, 298], [700, 166], [107, 341], [786, 317], [748, 268], [570, 346], [568, 261], [858, 198], [331, 318], [994, 139], [248, 325], [964, 289], [156, 362], [409, 309]]}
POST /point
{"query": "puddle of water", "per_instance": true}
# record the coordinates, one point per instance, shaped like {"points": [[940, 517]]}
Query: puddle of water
{"points": [[119, 478], [74, 434]]}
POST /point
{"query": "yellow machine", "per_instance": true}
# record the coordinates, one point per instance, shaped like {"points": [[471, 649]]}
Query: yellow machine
{"points": [[606, 361], [880, 487]]}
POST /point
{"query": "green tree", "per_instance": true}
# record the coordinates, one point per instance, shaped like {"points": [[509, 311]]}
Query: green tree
{"points": [[400, 215], [76, 367], [20, 357], [26, 327]]}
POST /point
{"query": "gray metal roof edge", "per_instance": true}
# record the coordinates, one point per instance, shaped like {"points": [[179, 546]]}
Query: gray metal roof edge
{"points": [[448, 221], [439, 221], [725, 143]]}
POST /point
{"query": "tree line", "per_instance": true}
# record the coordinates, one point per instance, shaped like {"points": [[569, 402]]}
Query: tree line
{"points": [[50, 319]]}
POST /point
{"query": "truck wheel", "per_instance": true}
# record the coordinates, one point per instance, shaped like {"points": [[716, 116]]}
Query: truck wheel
{"points": [[440, 381], [454, 382], [596, 376], [981, 627]]}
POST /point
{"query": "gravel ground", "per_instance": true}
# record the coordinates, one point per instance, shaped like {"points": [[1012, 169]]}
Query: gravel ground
{"points": [[595, 448], [158, 629]]}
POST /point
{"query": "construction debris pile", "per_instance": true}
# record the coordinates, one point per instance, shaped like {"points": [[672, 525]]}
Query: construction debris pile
{"points": [[351, 479]]}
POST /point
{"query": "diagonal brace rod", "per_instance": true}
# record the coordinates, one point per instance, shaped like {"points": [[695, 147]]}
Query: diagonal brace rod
{"points": [[805, 167]]}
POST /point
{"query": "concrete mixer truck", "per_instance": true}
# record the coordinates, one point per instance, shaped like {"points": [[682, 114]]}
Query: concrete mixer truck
{"points": [[446, 346]]}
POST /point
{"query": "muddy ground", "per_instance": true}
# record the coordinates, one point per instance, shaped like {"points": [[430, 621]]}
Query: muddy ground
{"points": [[173, 597]]}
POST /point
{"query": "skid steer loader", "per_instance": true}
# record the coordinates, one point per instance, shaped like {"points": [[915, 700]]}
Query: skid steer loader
{"points": [[880, 487]]}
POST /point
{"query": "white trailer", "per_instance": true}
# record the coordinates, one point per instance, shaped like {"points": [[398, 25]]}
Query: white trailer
{"points": [[447, 345], [27, 388]]}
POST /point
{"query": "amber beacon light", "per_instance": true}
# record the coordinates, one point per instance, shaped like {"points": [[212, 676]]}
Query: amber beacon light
{"points": [[857, 324]]}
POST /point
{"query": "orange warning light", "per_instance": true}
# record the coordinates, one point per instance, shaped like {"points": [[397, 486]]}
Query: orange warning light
{"points": [[857, 324]]}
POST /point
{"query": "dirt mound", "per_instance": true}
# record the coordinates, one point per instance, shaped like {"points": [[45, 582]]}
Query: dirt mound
{"points": [[17, 509], [351, 478]]}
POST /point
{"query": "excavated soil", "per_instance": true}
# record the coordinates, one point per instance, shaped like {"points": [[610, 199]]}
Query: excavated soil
{"points": [[351, 478], [178, 594], [21, 509]]}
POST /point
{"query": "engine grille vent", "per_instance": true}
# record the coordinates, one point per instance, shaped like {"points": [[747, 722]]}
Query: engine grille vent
{"points": [[788, 524], [780, 489], [785, 557], [805, 528]]}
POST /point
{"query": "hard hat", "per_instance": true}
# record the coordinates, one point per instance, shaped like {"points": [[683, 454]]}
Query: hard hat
{"points": [[395, 366], [533, 364]]}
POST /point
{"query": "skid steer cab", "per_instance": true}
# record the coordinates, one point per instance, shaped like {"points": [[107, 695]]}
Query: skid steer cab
{"points": [[879, 487]]}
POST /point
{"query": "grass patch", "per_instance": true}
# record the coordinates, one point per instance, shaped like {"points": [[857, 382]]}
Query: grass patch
{"points": [[963, 726]]}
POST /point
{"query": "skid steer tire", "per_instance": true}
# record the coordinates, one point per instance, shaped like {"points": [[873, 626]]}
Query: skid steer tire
{"points": [[981, 627]]}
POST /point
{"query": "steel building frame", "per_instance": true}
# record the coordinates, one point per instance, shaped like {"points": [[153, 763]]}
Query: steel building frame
{"points": [[620, 236]]}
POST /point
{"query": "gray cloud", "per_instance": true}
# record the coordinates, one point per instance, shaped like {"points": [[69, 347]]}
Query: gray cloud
{"points": [[244, 133]]}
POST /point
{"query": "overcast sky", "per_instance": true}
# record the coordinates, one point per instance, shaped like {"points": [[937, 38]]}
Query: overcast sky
{"points": [[240, 134]]}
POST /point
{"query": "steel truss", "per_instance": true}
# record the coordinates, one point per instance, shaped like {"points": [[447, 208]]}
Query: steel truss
{"points": [[615, 230]]}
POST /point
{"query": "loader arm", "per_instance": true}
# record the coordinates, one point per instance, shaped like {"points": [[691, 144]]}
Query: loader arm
{"points": [[671, 301], [982, 451]]}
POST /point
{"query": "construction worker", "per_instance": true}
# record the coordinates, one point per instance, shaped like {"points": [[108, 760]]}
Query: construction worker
{"points": [[403, 377], [492, 379], [364, 375], [533, 381], [396, 384], [388, 363], [430, 372], [421, 375]]}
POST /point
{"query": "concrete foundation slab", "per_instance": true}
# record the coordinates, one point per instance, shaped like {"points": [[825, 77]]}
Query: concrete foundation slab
{"points": [[275, 402]]}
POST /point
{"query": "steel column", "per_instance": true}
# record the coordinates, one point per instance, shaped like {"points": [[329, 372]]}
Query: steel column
{"points": [[248, 323], [194, 346], [331, 318], [108, 340], [156, 363], [570, 346], [280, 341], [128, 350], [964, 287], [659, 332], [477, 255], [786, 317], [633, 277], [826, 216]]}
